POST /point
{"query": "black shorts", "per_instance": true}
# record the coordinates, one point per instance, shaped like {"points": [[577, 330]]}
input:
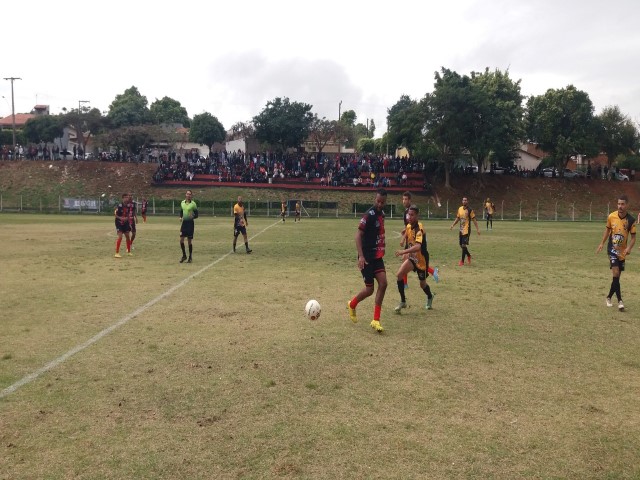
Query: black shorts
{"points": [[614, 261], [123, 227], [464, 239], [489, 216], [371, 269], [239, 229], [187, 228]]}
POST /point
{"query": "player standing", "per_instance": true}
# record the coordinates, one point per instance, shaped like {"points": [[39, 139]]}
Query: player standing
{"points": [[143, 209], [133, 218], [415, 258], [465, 215], [489, 208], [406, 203], [188, 213], [122, 225], [297, 217], [283, 210], [620, 226], [370, 244], [240, 224]]}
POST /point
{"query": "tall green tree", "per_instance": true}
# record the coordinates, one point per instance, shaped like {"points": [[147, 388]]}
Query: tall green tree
{"points": [[404, 123], [207, 130], [283, 124], [84, 123], [617, 134], [128, 109], [562, 123], [43, 128], [168, 110], [321, 131], [445, 118], [496, 117]]}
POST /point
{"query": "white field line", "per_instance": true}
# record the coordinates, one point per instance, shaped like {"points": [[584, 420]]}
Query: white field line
{"points": [[62, 358]]}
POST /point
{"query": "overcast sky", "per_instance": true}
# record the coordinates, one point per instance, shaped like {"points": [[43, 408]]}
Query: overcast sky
{"points": [[230, 58]]}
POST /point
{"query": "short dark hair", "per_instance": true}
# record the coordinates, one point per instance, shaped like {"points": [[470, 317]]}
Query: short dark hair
{"points": [[382, 192], [414, 207], [407, 194], [623, 197]]}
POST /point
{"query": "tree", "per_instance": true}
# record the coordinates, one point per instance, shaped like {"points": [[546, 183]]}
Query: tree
{"points": [[283, 124], [496, 117], [134, 139], [321, 131], [129, 109], [84, 123], [404, 124], [207, 130], [168, 110], [445, 120], [561, 122], [43, 128], [617, 134]]}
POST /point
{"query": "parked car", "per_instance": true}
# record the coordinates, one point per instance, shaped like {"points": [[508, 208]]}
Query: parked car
{"points": [[570, 173], [548, 172], [621, 176]]}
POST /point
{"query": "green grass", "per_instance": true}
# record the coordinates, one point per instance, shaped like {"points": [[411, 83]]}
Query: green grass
{"points": [[520, 371]]}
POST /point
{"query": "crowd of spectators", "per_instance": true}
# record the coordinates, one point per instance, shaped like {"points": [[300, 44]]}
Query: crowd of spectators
{"points": [[237, 166]]}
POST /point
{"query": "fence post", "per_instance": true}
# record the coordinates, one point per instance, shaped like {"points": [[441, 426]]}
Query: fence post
{"points": [[502, 212], [20, 202], [573, 212], [538, 212], [590, 210], [520, 210], [173, 207], [59, 204], [0, 203], [447, 209], [40, 204], [556, 210], [153, 205]]}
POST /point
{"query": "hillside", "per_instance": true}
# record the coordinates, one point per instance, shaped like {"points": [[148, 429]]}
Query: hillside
{"points": [[92, 179]]}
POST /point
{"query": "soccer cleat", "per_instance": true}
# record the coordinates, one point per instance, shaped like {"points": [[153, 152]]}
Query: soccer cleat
{"points": [[430, 302], [183, 259], [609, 304], [249, 250], [375, 324], [620, 306], [469, 259], [461, 263], [400, 306], [436, 276], [117, 255], [130, 254], [189, 260], [352, 313]]}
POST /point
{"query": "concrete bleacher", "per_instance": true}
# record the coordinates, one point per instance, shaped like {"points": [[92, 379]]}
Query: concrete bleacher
{"points": [[414, 183]]}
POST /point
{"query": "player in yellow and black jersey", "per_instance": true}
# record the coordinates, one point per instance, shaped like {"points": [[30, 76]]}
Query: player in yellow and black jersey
{"points": [[415, 258], [620, 235], [283, 210], [489, 209], [240, 224], [465, 216]]}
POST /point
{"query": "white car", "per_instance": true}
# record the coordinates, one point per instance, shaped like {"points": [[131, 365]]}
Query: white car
{"points": [[621, 176]]}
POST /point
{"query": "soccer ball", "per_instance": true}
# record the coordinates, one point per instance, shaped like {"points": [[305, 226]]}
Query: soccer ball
{"points": [[312, 310]]}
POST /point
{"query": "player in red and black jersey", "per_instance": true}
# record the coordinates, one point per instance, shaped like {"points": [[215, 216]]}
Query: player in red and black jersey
{"points": [[370, 243], [122, 224], [143, 209], [133, 218]]}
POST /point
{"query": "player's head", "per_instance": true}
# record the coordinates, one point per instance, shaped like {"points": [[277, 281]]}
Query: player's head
{"points": [[465, 201], [125, 196], [414, 213], [239, 199], [406, 199], [623, 202], [188, 194], [488, 200], [381, 199]]}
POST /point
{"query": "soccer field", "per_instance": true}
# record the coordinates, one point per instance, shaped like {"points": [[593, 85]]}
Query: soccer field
{"points": [[142, 367]]}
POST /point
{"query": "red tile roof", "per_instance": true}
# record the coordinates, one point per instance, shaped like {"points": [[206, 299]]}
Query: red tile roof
{"points": [[21, 119]]}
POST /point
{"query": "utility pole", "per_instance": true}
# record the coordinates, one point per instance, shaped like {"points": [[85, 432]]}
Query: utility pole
{"points": [[80, 135], [339, 129], [13, 111]]}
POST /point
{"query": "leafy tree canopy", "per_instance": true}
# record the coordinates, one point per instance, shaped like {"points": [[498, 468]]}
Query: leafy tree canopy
{"points": [[168, 110], [43, 128], [283, 124], [129, 109], [405, 124], [206, 129], [617, 134]]}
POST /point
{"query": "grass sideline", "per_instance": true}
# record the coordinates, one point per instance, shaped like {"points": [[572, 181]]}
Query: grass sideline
{"points": [[520, 371]]}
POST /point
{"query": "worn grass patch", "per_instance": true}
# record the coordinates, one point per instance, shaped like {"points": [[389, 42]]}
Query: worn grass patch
{"points": [[520, 371]]}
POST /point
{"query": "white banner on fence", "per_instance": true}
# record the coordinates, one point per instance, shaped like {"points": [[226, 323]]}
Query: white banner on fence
{"points": [[80, 204]]}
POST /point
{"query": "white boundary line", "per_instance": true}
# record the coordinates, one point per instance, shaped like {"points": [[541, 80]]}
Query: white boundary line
{"points": [[61, 359]]}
